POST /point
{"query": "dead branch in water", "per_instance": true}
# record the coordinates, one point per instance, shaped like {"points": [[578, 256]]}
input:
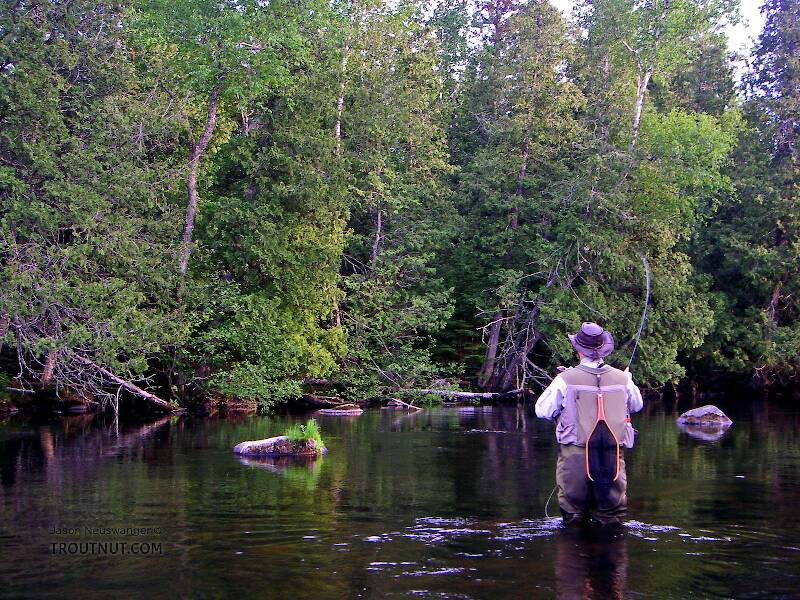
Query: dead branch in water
{"points": [[457, 394], [130, 387], [324, 401], [406, 404]]}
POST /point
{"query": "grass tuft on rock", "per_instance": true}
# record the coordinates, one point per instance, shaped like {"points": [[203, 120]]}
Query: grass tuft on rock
{"points": [[301, 433]]}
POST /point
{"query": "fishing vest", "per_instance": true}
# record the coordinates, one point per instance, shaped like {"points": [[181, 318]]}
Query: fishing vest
{"points": [[579, 414]]}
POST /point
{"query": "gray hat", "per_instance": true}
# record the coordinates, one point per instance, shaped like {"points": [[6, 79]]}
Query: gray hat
{"points": [[592, 341]]}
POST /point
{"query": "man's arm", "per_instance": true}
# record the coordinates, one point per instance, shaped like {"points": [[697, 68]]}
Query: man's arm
{"points": [[549, 403], [635, 401]]}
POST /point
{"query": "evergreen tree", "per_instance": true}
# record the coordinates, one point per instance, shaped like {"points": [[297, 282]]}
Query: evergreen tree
{"points": [[395, 147], [751, 251], [86, 231]]}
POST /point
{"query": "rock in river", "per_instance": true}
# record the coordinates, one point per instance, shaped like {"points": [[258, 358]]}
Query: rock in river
{"points": [[279, 446], [705, 415], [707, 423], [343, 410]]}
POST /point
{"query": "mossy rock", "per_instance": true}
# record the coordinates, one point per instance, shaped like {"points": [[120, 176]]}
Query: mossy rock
{"points": [[280, 446]]}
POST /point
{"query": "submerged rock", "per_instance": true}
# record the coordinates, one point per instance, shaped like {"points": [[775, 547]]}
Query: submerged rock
{"points": [[279, 446], [705, 415]]}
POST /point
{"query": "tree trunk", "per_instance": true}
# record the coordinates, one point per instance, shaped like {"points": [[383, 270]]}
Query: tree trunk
{"points": [[518, 360], [522, 342], [324, 401], [524, 168], [520, 186], [410, 152], [191, 179], [606, 70], [340, 99], [487, 369], [49, 367], [337, 130], [337, 315], [772, 307], [642, 79], [376, 243], [127, 385]]}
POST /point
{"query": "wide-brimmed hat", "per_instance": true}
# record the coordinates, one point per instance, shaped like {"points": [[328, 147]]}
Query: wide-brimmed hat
{"points": [[592, 341]]}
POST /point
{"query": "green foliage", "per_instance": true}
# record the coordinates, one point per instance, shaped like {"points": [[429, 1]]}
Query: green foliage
{"points": [[706, 85], [270, 228], [391, 193], [300, 433], [402, 215], [429, 400], [751, 251], [5, 381], [86, 230]]}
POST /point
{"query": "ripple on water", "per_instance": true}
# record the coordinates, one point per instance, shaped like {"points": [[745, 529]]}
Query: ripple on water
{"points": [[433, 530], [431, 572], [443, 595], [654, 533], [438, 530], [529, 528]]}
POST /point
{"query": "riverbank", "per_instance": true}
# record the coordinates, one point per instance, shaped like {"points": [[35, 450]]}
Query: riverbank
{"points": [[691, 393]]}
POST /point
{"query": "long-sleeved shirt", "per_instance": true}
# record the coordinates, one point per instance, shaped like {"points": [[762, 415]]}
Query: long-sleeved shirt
{"points": [[552, 399]]}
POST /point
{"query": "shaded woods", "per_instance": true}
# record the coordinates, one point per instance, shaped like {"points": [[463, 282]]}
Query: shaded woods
{"points": [[228, 199]]}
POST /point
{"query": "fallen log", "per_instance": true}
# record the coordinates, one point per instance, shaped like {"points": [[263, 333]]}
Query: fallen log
{"points": [[401, 403], [127, 385], [324, 401], [457, 394], [354, 411]]}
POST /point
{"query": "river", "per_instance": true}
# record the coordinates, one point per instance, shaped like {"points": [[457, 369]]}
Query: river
{"points": [[445, 503]]}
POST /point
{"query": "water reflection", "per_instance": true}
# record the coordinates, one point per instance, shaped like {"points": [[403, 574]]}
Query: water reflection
{"points": [[591, 564], [706, 433], [68, 446], [437, 503], [280, 464]]}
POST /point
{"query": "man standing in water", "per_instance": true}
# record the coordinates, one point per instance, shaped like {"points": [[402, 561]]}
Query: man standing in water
{"points": [[591, 404]]}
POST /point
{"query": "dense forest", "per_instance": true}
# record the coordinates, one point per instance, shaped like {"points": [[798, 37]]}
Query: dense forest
{"points": [[230, 199]]}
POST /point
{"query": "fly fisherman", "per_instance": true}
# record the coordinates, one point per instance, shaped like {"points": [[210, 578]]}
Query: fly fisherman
{"points": [[591, 404]]}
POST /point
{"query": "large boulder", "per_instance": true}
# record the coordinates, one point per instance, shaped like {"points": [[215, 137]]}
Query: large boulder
{"points": [[279, 446], [707, 423], [705, 415]]}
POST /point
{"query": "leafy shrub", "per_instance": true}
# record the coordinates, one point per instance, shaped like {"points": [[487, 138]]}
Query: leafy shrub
{"points": [[301, 433]]}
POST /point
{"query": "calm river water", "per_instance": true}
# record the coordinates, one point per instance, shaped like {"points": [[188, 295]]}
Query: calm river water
{"points": [[446, 503]]}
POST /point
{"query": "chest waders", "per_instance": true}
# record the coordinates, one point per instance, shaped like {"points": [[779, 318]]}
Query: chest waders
{"points": [[601, 452]]}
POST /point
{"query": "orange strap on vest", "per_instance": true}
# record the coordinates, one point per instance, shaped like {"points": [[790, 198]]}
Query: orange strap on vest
{"points": [[601, 416]]}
